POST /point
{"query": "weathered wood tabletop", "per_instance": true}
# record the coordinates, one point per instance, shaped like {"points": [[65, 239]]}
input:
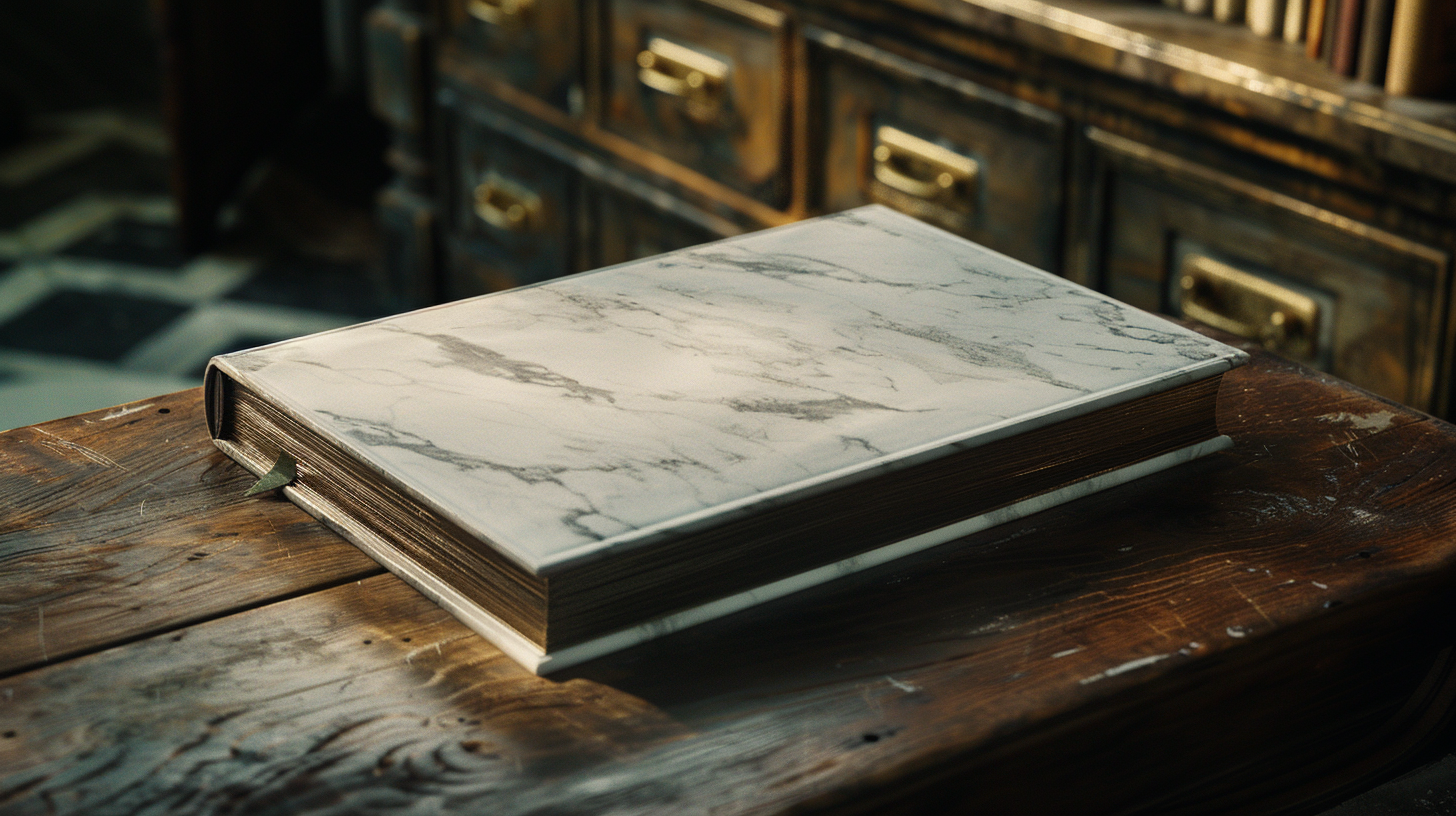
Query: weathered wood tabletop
{"points": [[1255, 630]]}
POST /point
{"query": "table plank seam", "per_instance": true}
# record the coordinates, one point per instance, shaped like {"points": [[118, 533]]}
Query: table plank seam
{"points": [[64, 656]]}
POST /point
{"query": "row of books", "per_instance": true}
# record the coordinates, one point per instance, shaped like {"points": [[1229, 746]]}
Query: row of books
{"points": [[1408, 46]]}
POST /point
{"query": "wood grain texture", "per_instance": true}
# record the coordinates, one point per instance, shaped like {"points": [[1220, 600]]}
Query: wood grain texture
{"points": [[127, 521], [1211, 629]]}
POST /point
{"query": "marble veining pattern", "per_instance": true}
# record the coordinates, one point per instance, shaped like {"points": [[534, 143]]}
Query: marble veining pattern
{"points": [[603, 409]]}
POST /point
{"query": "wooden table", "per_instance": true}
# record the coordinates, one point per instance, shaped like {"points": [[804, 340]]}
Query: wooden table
{"points": [[1265, 628]]}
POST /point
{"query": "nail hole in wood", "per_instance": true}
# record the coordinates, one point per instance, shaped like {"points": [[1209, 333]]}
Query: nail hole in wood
{"points": [[871, 737], [367, 642], [9, 734], [406, 640], [164, 410]]}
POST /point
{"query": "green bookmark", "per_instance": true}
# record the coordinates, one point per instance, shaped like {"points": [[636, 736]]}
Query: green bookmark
{"points": [[284, 471]]}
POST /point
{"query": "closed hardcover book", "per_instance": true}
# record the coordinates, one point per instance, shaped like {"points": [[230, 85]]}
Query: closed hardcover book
{"points": [[1228, 11], [577, 466], [1314, 29], [1266, 17], [1375, 41], [1346, 50], [1422, 49], [1294, 22]]}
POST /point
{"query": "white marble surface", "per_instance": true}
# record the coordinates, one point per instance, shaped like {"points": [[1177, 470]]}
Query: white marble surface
{"points": [[613, 408]]}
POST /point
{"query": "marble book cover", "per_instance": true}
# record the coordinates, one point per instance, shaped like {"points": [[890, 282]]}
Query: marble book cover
{"points": [[572, 419]]}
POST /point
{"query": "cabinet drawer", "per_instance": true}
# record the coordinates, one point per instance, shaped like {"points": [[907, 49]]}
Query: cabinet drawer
{"points": [[629, 226], [512, 209], [703, 84], [938, 147], [534, 45], [1343, 296]]}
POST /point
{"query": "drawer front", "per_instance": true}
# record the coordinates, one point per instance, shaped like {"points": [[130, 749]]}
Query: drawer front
{"points": [[959, 155], [534, 45], [628, 227], [1337, 294], [703, 84], [512, 212]]}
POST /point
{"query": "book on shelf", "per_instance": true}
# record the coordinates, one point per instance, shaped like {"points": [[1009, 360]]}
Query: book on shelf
{"points": [[1346, 47], [1375, 41], [1265, 17], [1314, 30], [1328, 32], [577, 466], [1229, 11], [1422, 58], [1294, 20]]}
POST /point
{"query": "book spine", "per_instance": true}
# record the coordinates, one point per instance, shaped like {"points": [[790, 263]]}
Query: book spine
{"points": [[1294, 20], [1347, 37], [1422, 49], [1375, 41], [1266, 17], [1327, 39], [1228, 11], [1314, 30]]}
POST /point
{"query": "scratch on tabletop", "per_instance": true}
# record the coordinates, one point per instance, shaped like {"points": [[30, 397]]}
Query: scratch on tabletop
{"points": [[1067, 652], [1125, 667], [121, 412], [908, 688], [94, 456], [1321, 586], [142, 510], [40, 633], [1236, 631], [1261, 612]]}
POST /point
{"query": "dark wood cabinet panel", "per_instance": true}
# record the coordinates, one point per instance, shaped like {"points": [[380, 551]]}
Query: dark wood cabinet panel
{"points": [[1347, 297], [703, 84], [512, 216], [944, 149], [534, 45], [627, 227], [1229, 179]]}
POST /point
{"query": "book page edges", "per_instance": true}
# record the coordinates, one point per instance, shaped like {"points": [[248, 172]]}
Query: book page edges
{"points": [[725, 511], [538, 661]]}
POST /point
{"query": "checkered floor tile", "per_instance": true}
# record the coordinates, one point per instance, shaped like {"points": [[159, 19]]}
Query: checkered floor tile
{"points": [[98, 307]]}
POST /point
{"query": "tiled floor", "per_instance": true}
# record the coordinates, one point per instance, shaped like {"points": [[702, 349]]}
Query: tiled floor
{"points": [[98, 307]]}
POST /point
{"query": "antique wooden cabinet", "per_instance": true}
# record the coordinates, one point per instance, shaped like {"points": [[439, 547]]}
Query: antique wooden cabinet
{"points": [[1177, 163]]}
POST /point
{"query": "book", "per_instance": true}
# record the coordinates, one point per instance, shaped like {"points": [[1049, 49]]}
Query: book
{"points": [[1229, 11], [1422, 49], [1266, 17], [1348, 24], [1314, 31], [1375, 41], [577, 466], [1294, 22], [1327, 38]]}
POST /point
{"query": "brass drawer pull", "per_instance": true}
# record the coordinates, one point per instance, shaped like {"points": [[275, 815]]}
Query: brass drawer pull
{"points": [[499, 12], [506, 205], [1281, 319], [924, 169], [696, 78]]}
